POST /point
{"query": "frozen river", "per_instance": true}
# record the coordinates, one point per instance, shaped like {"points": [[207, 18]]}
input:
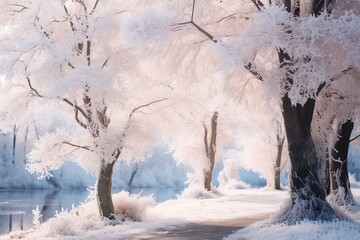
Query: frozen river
{"points": [[16, 206]]}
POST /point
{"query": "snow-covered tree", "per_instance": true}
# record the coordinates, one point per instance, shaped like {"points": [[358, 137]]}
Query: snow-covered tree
{"points": [[303, 35], [264, 151], [70, 54]]}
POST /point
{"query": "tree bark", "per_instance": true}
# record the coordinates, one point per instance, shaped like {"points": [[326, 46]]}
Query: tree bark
{"points": [[308, 198], [103, 187], [211, 150], [303, 156], [339, 177]]}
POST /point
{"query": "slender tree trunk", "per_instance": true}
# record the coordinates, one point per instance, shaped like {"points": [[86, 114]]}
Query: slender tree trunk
{"points": [[339, 177], [103, 186], [25, 142], [210, 150], [14, 145], [278, 162], [133, 174], [327, 174]]}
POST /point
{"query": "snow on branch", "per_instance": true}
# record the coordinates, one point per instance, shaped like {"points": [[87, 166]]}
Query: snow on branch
{"points": [[50, 152], [310, 42], [76, 107]]}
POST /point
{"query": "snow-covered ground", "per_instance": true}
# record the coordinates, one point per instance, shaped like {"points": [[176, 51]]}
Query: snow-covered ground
{"points": [[225, 204]]}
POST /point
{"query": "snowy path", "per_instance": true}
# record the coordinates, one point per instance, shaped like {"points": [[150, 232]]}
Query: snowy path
{"points": [[203, 231]]}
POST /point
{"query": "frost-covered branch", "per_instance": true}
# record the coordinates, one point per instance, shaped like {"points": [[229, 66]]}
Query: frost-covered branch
{"points": [[76, 107], [20, 8]]}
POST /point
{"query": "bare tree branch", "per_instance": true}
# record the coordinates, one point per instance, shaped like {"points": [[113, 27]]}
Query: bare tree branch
{"points": [[340, 75], [258, 4], [20, 8], [197, 26], [68, 15], [145, 105], [106, 61], [33, 89], [78, 146], [249, 67], [354, 138], [95, 5]]}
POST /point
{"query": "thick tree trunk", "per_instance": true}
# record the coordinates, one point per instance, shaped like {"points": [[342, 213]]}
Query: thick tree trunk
{"points": [[210, 150], [278, 162], [307, 194], [103, 187], [339, 177], [303, 156]]}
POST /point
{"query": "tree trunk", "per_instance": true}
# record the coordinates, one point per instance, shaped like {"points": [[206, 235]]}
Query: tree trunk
{"points": [[278, 162], [14, 144], [339, 177], [211, 150], [25, 142], [103, 186], [307, 194]]}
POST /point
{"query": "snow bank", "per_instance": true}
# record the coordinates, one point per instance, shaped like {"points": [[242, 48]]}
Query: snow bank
{"points": [[303, 230]]}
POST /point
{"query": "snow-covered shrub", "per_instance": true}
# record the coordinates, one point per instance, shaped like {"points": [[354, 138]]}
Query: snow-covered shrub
{"points": [[131, 207], [197, 191]]}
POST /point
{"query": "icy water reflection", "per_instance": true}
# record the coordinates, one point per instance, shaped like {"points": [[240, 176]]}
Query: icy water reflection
{"points": [[16, 205]]}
